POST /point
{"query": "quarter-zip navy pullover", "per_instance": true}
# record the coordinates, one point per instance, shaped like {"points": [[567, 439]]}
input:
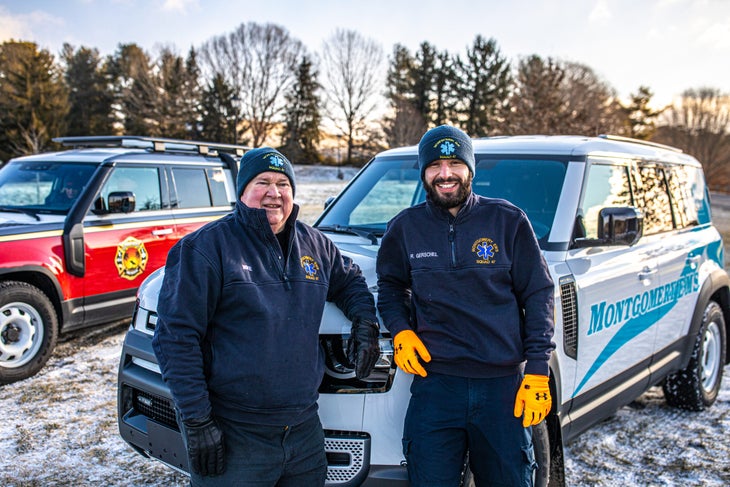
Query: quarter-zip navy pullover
{"points": [[475, 288], [238, 329]]}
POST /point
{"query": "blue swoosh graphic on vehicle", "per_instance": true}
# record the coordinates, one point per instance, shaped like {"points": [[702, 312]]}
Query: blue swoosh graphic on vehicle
{"points": [[635, 326]]}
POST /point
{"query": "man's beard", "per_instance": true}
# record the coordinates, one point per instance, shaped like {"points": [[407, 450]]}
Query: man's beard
{"points": [[451, 200]]}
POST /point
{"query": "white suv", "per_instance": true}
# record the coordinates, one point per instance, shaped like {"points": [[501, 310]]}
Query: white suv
{"points": [[641, 298]]}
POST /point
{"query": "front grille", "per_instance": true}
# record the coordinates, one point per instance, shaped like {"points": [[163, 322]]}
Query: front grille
{"points": [[155, 407], [348, 457], [569, 305]]}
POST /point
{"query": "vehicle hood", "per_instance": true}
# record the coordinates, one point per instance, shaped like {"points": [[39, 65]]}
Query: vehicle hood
{"points": [[8, 218]]}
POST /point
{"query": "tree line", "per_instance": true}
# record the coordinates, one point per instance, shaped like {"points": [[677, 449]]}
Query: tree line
{"points": [[259, 85]]}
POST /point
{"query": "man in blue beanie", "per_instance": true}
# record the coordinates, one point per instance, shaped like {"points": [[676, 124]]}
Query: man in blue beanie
{"points": [[237, 337], [467, 295]]}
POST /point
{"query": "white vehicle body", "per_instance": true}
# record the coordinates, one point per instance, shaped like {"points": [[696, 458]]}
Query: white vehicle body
{"points": [[641, 296]]}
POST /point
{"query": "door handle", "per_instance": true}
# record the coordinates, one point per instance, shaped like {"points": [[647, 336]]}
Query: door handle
{"points": [[161, 232], [646, 273]]}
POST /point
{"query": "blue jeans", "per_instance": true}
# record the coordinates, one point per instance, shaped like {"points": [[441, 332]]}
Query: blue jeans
{"points": [[282, 456], [448, 415]]}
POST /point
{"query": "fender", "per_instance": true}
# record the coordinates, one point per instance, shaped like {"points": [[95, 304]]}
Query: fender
{"points": [[717, 287], [42, 278]]}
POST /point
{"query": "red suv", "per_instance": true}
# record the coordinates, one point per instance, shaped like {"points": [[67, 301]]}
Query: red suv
{"points": [[81, 229]]}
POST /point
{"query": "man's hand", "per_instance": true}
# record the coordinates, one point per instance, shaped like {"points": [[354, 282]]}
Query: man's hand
{"points": [[407, 349], [363, 349], [533, 398], [204, 441]]}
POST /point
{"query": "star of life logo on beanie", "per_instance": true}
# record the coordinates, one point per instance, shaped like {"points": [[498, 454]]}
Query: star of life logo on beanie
{"points": [[447, 147], [276, 163]]}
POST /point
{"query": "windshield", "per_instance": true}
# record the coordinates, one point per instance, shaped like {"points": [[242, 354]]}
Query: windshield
{"points": [[38, 186], [389, 184]]}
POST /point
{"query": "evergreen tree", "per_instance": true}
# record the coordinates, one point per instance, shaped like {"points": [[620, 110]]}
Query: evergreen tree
{"points": [[302, 118], [135, 91], [538, 106], [33, 99], [406, 125], [484, 83], [444, 89], [218, 112], [177, 103], [89, 95], [641, 118]]}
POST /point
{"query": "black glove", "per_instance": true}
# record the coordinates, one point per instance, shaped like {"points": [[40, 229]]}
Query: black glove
{"points": [[204, 441], [363, 349]]}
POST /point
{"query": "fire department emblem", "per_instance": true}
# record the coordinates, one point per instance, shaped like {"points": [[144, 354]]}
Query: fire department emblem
{"points": [[311, 268], [486, 249], [131, 258]]}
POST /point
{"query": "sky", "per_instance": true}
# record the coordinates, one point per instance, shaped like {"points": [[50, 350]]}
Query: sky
{"points": [[667, 45]]}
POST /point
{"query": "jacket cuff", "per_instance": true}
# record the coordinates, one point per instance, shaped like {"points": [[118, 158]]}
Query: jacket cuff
{"points": [[537, 367]]}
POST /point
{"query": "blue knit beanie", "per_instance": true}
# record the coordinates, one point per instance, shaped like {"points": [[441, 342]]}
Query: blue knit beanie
{"points": [[263, 159], [445, 142]]}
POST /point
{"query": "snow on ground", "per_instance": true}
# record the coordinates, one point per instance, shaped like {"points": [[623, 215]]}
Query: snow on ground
{"points": [[59, 428]]}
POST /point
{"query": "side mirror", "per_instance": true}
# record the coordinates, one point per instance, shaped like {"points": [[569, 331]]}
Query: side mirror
{"points": [[121, 202], [620, 225]]}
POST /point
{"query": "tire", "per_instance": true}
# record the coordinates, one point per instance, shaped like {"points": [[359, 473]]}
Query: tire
{"points": [[696, 387], [28, 331], [541, 446]]}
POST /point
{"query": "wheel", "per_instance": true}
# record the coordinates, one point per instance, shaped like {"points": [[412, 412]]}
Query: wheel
{"points": [[541, 447], [28, 330], [696, 387]]}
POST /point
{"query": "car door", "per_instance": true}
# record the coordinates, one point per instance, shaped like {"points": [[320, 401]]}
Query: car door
{"points": [[688, 243], [125, 245], [615, 334]]}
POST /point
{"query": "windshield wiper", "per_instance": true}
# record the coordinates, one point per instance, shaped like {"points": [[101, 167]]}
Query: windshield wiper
{"points": [[360, 232], [32, 213]]}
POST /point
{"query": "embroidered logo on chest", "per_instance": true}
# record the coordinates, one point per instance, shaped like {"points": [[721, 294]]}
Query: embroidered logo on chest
{"points": [[310, 266], [485, 250]]}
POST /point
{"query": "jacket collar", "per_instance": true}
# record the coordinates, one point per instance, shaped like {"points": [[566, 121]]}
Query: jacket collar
{"points": [[444, 214], [256, 217]]}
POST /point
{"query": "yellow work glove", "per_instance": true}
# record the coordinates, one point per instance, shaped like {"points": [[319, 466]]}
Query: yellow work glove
{"points": [[407, 349], [533, 398]]}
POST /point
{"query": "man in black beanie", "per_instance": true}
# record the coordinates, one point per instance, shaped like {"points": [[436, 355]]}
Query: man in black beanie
{"points": [[237, 337], [467, 296]]}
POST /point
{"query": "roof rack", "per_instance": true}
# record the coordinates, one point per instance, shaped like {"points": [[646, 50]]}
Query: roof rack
{"points": [[620, 138], [156, 144]]}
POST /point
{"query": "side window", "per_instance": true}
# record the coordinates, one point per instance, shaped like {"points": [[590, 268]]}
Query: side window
{"points": [[607, 185], [217, 181], [192, 187], [143, 182], [657, 210], [682, 181]]}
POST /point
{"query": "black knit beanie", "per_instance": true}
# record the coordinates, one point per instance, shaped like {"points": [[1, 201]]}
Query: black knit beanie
{"points": [[263, 159], [445, 142]]}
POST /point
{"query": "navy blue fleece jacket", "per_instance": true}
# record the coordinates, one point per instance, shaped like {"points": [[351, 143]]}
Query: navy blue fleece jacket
{"points": [[238, 329], [475, 288]]}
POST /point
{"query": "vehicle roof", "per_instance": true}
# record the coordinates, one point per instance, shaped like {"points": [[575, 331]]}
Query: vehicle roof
{"points": [[569, 145], [99, 155]]}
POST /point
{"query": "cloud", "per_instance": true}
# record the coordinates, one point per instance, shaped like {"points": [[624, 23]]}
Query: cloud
{"points": [[22, 27], [600, 12], [181, 6], [13, 27]]}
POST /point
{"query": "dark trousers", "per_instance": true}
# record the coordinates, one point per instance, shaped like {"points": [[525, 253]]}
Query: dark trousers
{"points": [[282, 456], [448, 415]]}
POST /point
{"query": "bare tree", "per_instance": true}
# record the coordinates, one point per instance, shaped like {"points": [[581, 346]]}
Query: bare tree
{"points": [[698, 123], [592, 105], [259, 62], [353, 71]]}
